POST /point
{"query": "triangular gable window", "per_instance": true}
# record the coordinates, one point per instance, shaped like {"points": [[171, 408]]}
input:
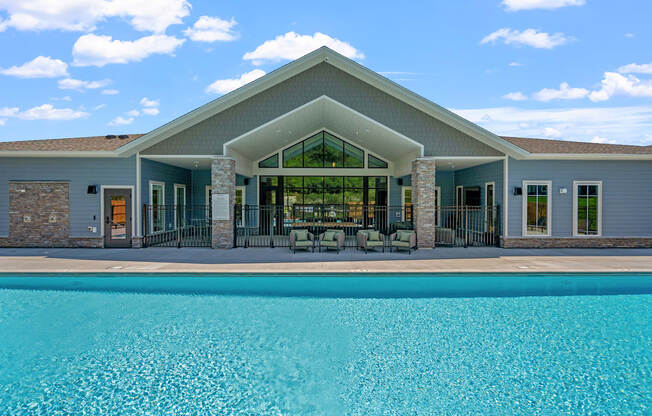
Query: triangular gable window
{"points": [[375, 163], [323, 150], [270, 162]]}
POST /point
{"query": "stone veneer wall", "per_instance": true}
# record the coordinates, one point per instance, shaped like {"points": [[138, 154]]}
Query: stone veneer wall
{"points": [[39, 216], [423, 201], [577, 242], [223, 182]]}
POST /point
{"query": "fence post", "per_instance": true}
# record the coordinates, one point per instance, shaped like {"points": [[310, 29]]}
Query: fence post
{"points": [[466, 226], [144, 225], [497, 226]]}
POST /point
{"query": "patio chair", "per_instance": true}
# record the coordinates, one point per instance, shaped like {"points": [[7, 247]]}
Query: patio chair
{"points": [[370, 239], [403, 240], [301, 239], [332, 240]]}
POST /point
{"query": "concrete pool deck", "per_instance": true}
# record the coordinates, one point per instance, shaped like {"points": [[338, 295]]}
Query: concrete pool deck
{"points": [[281, 260]]}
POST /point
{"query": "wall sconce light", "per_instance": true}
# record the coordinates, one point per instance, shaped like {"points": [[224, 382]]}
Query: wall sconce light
{"points": [[92, 189], [518, 190]]}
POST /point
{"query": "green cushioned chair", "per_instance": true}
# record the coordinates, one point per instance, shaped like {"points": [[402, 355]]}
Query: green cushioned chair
{"points": [[301, 240], [332, 240], [403, 240], [370, 239]]}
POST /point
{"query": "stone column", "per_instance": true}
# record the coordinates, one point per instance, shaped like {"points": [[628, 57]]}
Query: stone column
{"points": [[423, 201], [223, 183]]}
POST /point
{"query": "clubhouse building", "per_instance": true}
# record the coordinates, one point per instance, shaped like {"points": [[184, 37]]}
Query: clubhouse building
{"points": [[322, 143]]}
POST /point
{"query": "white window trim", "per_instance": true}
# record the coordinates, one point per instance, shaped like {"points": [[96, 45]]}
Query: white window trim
{"points": [[185, 199], [575, 196], [486, 211], [459, 203], [524, 209], [151, 189]]}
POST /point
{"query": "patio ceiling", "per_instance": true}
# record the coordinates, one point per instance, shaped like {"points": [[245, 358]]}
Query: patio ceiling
{"points": [[324, 113]]}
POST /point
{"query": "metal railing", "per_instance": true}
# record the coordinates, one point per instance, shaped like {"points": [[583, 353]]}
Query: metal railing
{"points": [[463, 226], [270, 225], [176, 226]]}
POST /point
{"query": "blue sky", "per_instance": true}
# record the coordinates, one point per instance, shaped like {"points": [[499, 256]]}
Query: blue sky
{"points": [[563, 69]]}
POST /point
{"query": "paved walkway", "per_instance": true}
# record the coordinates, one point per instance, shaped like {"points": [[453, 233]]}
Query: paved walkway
{"points": [[281, 260]]}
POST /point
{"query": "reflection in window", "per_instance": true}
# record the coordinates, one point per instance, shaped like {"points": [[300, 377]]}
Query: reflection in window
{"points": [[537, 209], [588, 206], [375, 163], [270, 162], [323, 150]]}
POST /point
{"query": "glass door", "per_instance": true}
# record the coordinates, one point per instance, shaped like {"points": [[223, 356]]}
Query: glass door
{"points": [[117, 218]]}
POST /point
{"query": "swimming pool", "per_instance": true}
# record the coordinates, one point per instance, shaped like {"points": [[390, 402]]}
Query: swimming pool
{"points": [[297, 345]]}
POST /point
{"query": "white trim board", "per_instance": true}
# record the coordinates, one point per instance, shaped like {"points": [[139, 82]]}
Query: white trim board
{"points": [[486, 205], [133, 212], [149, 201], [524, 208], [575, 197]]}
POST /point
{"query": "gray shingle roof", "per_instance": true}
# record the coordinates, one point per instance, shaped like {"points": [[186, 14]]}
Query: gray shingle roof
{"points": [[80, 144]]}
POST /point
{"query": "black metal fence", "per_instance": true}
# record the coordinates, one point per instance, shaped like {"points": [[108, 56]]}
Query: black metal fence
{"points": [[270, 225], [463, 226], [176, 226]]}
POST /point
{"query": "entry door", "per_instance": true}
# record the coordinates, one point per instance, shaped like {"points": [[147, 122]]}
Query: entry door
{"points": [[117, 218]]}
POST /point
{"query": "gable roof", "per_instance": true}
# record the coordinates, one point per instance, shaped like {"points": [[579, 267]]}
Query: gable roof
{"points": [[72, 144], [547, 146]]}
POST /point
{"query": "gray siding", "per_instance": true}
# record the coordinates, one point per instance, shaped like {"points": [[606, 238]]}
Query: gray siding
{"points": [[208, 136], [626, 193], [79, 172], [161, 172], [202, 178], [478, 176], [445, 179]]}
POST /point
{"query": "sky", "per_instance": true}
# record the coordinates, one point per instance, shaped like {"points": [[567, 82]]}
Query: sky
{"points": [[558, 69]]}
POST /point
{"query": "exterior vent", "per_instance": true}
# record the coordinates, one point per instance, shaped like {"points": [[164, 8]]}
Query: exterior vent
{"points": [[123, 136], [110, 136]]}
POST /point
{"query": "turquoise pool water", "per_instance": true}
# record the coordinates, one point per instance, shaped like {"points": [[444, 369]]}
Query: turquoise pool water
{"points": [[358, 345]]}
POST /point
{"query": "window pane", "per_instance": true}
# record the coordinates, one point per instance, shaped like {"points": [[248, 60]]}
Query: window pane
{"points": [[270, 162], [407, 194], [490, 195], [313, 197], [293, 156], [118, 218], [374, 162], [537, 209], [293, 181], [293, 196], [333, 153], [587, 209], [313, 152], [333, 196], [378, 182], [269, 181], [333, 182], [353, 182], [353, 157], [314, 182]]}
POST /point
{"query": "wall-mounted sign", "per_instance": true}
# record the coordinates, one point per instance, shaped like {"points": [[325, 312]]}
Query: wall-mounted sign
{"points": [[27, 218], [221, 207], [52, 219]]}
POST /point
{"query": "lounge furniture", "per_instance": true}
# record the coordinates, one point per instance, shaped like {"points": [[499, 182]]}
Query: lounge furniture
{"points": [[301, 239], [332, 240], [370, 239], [403, 240]]}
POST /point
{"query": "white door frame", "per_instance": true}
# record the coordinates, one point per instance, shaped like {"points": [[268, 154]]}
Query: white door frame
{"points": [[133, 208], [243, 189], [151, 217], [185, 199], [486, 206]]}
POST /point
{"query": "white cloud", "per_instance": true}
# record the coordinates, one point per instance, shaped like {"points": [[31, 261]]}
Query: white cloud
{"points": [[617, 84], [636, 69], [550, 132], [83, 15], [212, 29], [121, 121], [563, 93], [622, 124], [146, 102], [3, 121], [39, 67], [150, 111], [515, 64], [97, 50], [8, 112], [223, 86], [629, 35], [516, 5], [48, 112], [99, 107], [515, 96], [528, 37], [110, 92], [292, 46], [598, 139], [133, 113], [80, 85]]}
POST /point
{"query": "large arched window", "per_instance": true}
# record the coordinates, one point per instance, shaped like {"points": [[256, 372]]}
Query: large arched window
{"points": [[323, 150]]}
